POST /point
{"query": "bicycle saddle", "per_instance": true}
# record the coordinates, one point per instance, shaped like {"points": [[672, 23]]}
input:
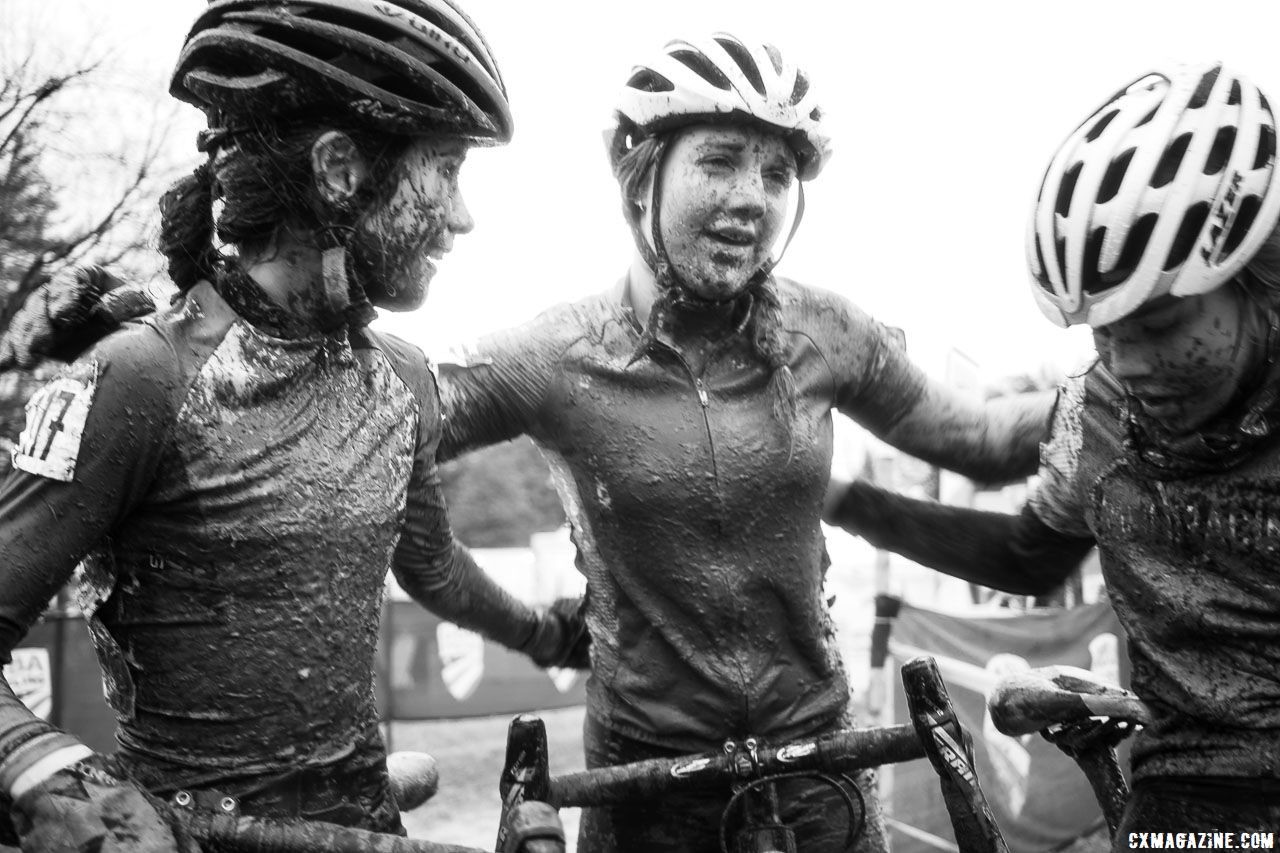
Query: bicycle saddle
{"points": [[1036, 699], [414, 778]]}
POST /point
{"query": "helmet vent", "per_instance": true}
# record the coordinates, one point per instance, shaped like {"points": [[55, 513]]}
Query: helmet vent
{"points": [[775, 57], [1060, 249], [1221, 150], [1266, 146], [1234, 97], [1097, 129], [1201, 95], [1115, 176], [647, 80], [801, 89], [1249, 206], [743, 57], [1135, 245], [700, 65], [1068, 186], [1192, 221], [1167, 168]]}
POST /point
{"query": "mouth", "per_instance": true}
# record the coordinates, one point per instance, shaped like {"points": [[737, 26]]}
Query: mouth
{"points": [[731, 235]]}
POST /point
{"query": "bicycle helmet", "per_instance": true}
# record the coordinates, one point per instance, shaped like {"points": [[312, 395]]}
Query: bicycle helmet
{"points": [[717, 78], [1168, 188], [402, 66]]}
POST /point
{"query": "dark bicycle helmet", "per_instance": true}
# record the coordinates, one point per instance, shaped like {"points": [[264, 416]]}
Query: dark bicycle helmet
{"points": [[1169, 187], [402, 66]]}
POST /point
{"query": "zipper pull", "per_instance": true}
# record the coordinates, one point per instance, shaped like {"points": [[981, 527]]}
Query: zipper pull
{"points": [[702, 393]]}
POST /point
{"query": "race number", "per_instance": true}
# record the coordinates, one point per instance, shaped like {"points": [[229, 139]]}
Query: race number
{"points": [[31, 678], [56, 414]]}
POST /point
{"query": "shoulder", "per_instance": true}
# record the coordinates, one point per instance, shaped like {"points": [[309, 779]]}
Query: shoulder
{"points": [[407, 362], [125, 390], [824, 315], [545, 338]]}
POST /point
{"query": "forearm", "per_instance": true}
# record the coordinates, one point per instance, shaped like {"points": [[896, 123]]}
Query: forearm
{"points": [[452, 586], [991, 442], [1014, 553]]}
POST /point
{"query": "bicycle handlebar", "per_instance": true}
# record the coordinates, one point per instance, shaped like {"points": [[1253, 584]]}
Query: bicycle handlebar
{"points": [[838, 752], [266, 835]]}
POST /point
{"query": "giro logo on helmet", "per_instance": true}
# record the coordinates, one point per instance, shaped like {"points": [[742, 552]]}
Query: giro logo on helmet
{"points": [[418, 24], [1224, 213]]}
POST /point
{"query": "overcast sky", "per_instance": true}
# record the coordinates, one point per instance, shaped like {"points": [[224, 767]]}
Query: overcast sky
{"points": [[943, 115]]}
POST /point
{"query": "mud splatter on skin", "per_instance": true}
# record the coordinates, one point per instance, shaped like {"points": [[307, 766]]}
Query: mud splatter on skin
{"points": [[724, 198], [396, 239], [1182, 359]]}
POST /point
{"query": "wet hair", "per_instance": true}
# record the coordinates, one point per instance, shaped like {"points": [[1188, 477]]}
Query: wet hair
{"points": [[263, 176], [634, 168]]}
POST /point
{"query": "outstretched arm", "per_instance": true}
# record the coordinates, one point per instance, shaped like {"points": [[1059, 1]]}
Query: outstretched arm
{"points": [[991, 441], [1014, 553]]}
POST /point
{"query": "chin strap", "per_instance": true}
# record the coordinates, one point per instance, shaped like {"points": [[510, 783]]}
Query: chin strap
{"points": [[342, 296]]}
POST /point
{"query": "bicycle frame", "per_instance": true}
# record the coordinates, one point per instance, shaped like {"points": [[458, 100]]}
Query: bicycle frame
{"points": [[935, 733]]}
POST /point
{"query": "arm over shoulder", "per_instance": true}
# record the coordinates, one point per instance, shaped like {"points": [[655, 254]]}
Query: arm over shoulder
{"points": [[430, 565], [494, 390]]}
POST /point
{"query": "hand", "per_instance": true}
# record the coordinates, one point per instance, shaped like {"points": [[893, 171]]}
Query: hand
{"points": [[561, 637], [84, 807], [68, 314]]}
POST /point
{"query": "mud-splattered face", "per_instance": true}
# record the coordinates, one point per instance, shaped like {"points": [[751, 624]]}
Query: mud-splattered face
{"points": [[399, 237], [724, 198], [1181, 358]]}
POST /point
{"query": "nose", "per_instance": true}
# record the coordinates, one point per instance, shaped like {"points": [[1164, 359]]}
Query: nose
{"points": [[460, 221], [747, 197]]}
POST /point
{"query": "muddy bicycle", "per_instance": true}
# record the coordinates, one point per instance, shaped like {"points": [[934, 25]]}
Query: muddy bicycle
{"points": [[752, 768]]}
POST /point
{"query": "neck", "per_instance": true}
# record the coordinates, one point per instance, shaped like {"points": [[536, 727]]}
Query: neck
{"points": [[692, 321], [290, 271]]}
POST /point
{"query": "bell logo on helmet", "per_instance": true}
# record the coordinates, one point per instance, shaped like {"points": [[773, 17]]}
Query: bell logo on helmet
{"points": [[1224, 213]]}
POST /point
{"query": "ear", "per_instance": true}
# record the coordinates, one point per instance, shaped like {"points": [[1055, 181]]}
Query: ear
{"points": [[338, 167]]}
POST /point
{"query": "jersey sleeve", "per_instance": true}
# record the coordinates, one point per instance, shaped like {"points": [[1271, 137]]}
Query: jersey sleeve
{"points": [[878, 386], [430, 565], [87, 453], [494, 390], [1059, 499]]}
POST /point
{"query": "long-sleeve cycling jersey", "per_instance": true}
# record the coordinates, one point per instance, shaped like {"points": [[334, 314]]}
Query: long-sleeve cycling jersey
{"points": [[694, 511], [1190, 563], [237, 498]]}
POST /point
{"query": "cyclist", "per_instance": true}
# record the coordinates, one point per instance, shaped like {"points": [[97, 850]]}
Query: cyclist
{"points": [[686, 415], [1156, 225], [239, 470]]}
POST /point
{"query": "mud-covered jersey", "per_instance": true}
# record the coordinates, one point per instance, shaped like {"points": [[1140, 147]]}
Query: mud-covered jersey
{"points": [[695, 510], [1192, 565], [238, 498]]}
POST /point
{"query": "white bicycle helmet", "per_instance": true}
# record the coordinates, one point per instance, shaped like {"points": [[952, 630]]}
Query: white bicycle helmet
{"points": [[723, 77], [1168, 188]]}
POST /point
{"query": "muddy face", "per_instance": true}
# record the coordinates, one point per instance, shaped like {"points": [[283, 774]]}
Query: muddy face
{"points": [[1182, 359], [723, 201], [400, 237]]}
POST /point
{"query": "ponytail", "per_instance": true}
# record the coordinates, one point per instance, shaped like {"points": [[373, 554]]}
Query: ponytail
{"points": [[186, 228]]}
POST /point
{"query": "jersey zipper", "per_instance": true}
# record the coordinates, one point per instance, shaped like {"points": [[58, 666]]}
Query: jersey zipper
{"points": [[705, 400]]}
